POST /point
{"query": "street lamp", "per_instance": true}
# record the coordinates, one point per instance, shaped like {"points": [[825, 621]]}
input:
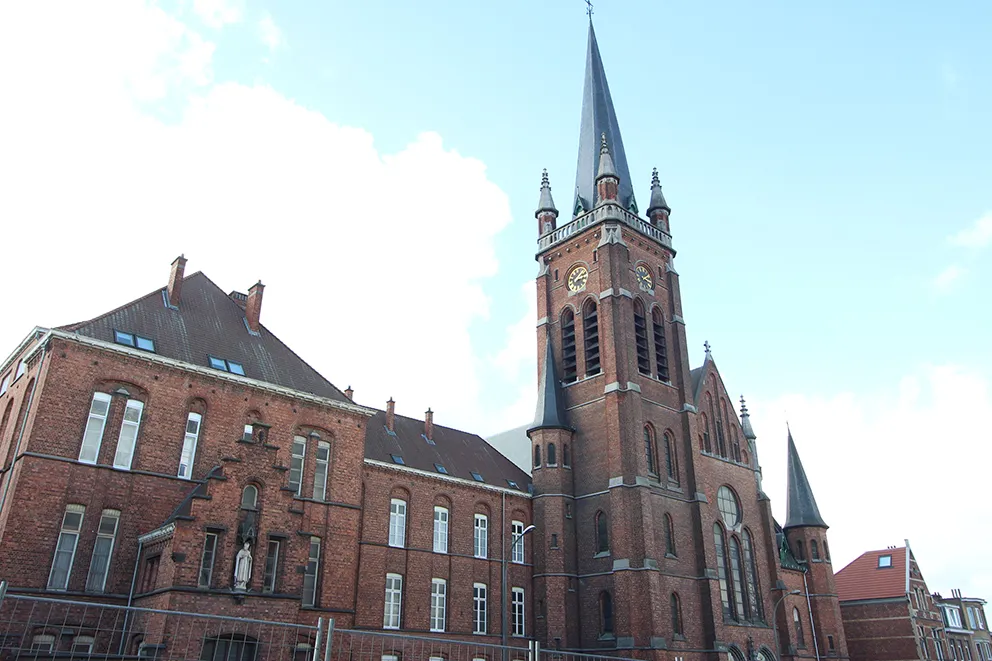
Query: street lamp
{"points": [[513, 545], [778, 644]]}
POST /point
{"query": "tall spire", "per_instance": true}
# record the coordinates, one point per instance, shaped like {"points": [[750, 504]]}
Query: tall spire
{"points": [[550, 412], [746, 422], [598, 118], [801, 509]]}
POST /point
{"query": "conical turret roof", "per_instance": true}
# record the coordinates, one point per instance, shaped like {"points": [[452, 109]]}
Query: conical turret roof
{"points": [[802, 509], [550, 403]]}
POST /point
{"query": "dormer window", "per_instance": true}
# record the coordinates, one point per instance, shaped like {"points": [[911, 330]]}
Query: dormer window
{"points": [[226, 365], [513, 485], [441, 469], [884, 561], [133, 340]]}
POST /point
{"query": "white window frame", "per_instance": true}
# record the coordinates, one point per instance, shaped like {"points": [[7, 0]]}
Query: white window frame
{"points": [[269, 575], [937, 644], [397, 523], [439, 604], [190, 439], [43, 642], [480, 608], [953, 617], [84, 645], [67, 543], [516, 548], [297, 461], [440, 529], [5, 383], [390, 657], [481, 536], [207, 560], [127, 441], [312, 574], [89, 448], [323, 459], [519, 613], [22, 368], [393, 605], [106, 537]]}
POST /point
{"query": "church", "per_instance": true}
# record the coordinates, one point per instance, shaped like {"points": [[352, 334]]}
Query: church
{"points": [[173, 454]]}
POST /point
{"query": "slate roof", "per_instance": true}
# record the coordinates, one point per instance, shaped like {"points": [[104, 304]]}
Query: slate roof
{"points": [[801, 509], [461, 453], [863, 579], [598, 118], [209, 322], [550, 410]]}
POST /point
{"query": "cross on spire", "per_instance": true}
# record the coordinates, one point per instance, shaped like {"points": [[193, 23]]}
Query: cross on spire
{"points": [[706, 345], [589, 9]]}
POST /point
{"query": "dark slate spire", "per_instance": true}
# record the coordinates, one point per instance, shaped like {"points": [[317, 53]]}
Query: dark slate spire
{"points": [[657, 197], [545, 204], [746, 422], [802, 509], [598, 118], [550, 412]]}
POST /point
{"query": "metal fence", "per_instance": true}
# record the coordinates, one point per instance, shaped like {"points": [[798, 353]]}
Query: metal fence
{"points": [[348, 645]]}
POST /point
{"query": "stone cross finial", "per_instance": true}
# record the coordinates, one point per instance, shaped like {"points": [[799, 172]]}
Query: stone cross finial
{"points": [[706, 345], [654, 178], [743, 406], [603, 148]]}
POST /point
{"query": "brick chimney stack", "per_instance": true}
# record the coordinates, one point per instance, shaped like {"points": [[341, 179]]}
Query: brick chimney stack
{"points": [[349, 393], [254, 307], [429, 424], [391, 415], [175, 288]]}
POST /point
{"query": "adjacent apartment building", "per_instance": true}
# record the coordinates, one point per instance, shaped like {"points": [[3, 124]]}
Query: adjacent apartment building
{"points": [[966, 627]]}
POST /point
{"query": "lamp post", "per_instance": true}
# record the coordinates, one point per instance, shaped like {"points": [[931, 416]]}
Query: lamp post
{"points": [[778, 644], [513, 545]]}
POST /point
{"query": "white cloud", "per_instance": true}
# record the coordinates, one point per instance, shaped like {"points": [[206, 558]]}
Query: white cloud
{"points": [[369, 275], [946, 279], [978, 235], [269, 33], [908, 460], [218, 13]]}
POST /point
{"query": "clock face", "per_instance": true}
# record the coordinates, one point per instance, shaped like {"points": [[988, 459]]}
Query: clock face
{"points": [[577, 278], [643, 276]]}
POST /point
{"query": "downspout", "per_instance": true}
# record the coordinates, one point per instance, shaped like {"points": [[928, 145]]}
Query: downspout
{"points": [[24, 424], [130, 597], [812, 626]]}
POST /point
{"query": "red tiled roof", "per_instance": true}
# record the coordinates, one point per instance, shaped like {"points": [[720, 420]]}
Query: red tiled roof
{"points": [[864, 579]]}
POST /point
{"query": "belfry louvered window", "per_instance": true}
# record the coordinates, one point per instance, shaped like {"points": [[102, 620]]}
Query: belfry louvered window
{"points": [[590, 331], [568, 352], [641, 339], [660, 348]]}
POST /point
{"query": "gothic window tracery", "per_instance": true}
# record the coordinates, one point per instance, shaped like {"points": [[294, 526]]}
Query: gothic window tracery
{"points": [[590, 333], [568, 352], [660, 346], [602, 533], [641, 338]]}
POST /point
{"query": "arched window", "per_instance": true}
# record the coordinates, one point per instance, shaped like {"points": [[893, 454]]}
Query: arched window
{"points": [[641, 338], [736, 576], [669, 535], [568, 346], [566, 460], [800, 550], [736, 445], [606, 613], [537, 456], [814, 549], [676, 607], [671, 458], [723, 570], [552, 455], [736, 654], [797, 623], [751, 572], [649, 450], [590, 332], [660, 349], [602, 533], [249, 497], [826, 550], [707, 446]]}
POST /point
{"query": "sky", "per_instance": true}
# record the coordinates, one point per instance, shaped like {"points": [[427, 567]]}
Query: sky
{"points": [[377, 166]]}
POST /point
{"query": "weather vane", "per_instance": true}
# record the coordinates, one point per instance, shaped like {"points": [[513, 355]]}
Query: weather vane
{"points": [[589, 8]]}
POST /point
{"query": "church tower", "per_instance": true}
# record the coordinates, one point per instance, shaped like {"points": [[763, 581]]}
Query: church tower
{"points": [[650, 538]]}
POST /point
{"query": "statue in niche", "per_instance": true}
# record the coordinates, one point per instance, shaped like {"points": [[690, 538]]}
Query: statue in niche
{"points": [[242, 568]]}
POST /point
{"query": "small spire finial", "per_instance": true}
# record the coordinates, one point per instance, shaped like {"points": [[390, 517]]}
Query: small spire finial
{"points": [[654, 178], [544, 179], [706, 345], [743, 406], [603, 148], [589, 11]]}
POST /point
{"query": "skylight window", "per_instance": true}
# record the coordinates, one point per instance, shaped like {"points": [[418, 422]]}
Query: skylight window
{"points": [[226, 365], [477, 477], [430, 441], [133, 340], [441, 469], [513, 485], [397, 459], [884, 561]]}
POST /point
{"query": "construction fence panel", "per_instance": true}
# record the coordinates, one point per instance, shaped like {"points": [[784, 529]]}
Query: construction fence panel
{"points": [[349, 645]]}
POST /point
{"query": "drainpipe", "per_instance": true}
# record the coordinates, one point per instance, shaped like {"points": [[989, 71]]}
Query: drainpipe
{"points": [[812, 627], [502, 590], [24, 424]]}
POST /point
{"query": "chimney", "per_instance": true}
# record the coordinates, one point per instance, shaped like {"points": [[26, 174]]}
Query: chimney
{"points": [[349, 393], [254, 307], [391, 415], [175, 287], [429, 425]]}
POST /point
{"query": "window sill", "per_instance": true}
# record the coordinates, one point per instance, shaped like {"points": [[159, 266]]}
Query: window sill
{"points": [[602, 554]]}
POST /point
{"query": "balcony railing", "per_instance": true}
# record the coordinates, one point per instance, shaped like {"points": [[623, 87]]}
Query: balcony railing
{"points": [[608, 211]]}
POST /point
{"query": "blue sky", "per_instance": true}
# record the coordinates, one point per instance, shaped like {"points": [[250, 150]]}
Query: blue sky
{"points": [[377, 165]]}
